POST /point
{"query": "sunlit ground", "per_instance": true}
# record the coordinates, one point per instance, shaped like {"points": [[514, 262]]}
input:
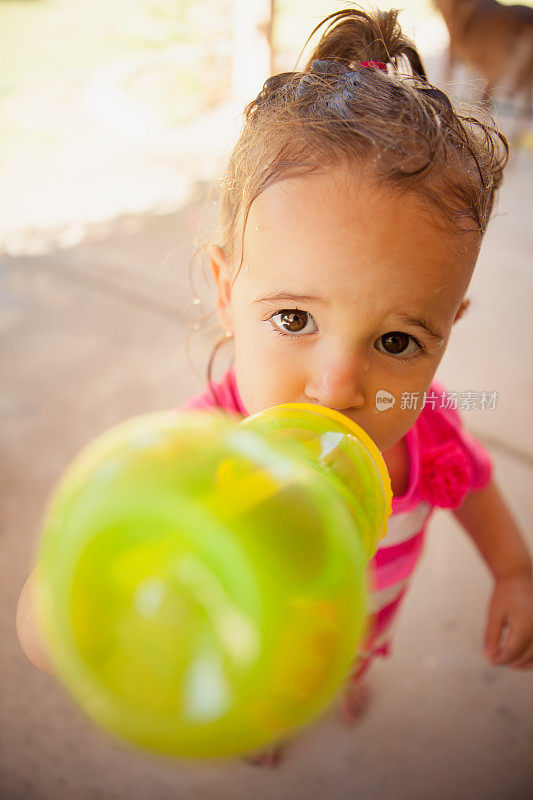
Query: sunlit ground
{"points": [[118, 108]]}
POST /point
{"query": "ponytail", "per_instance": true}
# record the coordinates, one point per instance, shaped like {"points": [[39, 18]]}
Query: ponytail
{"points": [[353, 36]]}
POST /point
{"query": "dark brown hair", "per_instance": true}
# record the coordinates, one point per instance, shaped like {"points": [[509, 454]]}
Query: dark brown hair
{"points": [[392, 123]]}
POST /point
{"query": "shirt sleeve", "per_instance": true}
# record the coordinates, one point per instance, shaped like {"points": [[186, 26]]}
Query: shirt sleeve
{"points": [[201, 401], [453, 461], [219, 397], [477, 454]]}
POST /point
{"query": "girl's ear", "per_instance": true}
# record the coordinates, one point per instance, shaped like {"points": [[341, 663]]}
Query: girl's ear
{"points": [[222, 276], [462, 308]]}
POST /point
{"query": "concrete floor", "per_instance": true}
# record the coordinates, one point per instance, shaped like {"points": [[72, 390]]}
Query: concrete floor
{"points": [[96, 333]]}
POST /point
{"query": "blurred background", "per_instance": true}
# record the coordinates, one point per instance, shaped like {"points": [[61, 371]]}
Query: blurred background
{"points": [[117, 119]]}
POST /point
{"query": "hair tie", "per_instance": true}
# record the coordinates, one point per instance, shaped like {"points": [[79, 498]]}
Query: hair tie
{"points": [[374, 65]]}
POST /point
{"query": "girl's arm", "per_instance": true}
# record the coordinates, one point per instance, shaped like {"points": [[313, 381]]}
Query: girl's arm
{"points": [[489, 522], [29, 634]]}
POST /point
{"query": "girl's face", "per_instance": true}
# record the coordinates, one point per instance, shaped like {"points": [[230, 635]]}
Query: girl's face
{"points": [[346, 289]]}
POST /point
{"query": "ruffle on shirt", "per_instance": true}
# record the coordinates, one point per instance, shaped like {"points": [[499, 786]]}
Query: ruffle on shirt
{"points": [[452, 462], [446, 474]]}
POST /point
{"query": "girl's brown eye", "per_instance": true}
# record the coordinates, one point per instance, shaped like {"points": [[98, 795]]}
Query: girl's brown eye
{"points": [[292, 321], [396, 343]]}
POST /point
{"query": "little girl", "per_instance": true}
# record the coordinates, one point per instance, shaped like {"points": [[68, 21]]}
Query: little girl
{"points": [[353, 210], [352, 215]]}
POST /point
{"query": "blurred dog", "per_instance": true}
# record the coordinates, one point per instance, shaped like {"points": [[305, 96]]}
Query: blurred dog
{"points": [[495, 40]]}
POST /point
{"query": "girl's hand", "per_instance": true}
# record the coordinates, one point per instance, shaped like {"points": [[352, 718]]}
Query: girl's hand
{"points": [[511, 610]]}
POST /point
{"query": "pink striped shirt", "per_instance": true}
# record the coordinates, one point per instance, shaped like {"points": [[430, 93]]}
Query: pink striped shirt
{"points": [[445, 464]]}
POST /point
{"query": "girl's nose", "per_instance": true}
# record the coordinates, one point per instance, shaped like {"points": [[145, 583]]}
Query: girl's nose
{"points": [[337, 385]]}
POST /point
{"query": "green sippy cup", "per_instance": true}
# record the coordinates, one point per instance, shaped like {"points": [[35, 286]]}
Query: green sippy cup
{"points": [[202, 582]]}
